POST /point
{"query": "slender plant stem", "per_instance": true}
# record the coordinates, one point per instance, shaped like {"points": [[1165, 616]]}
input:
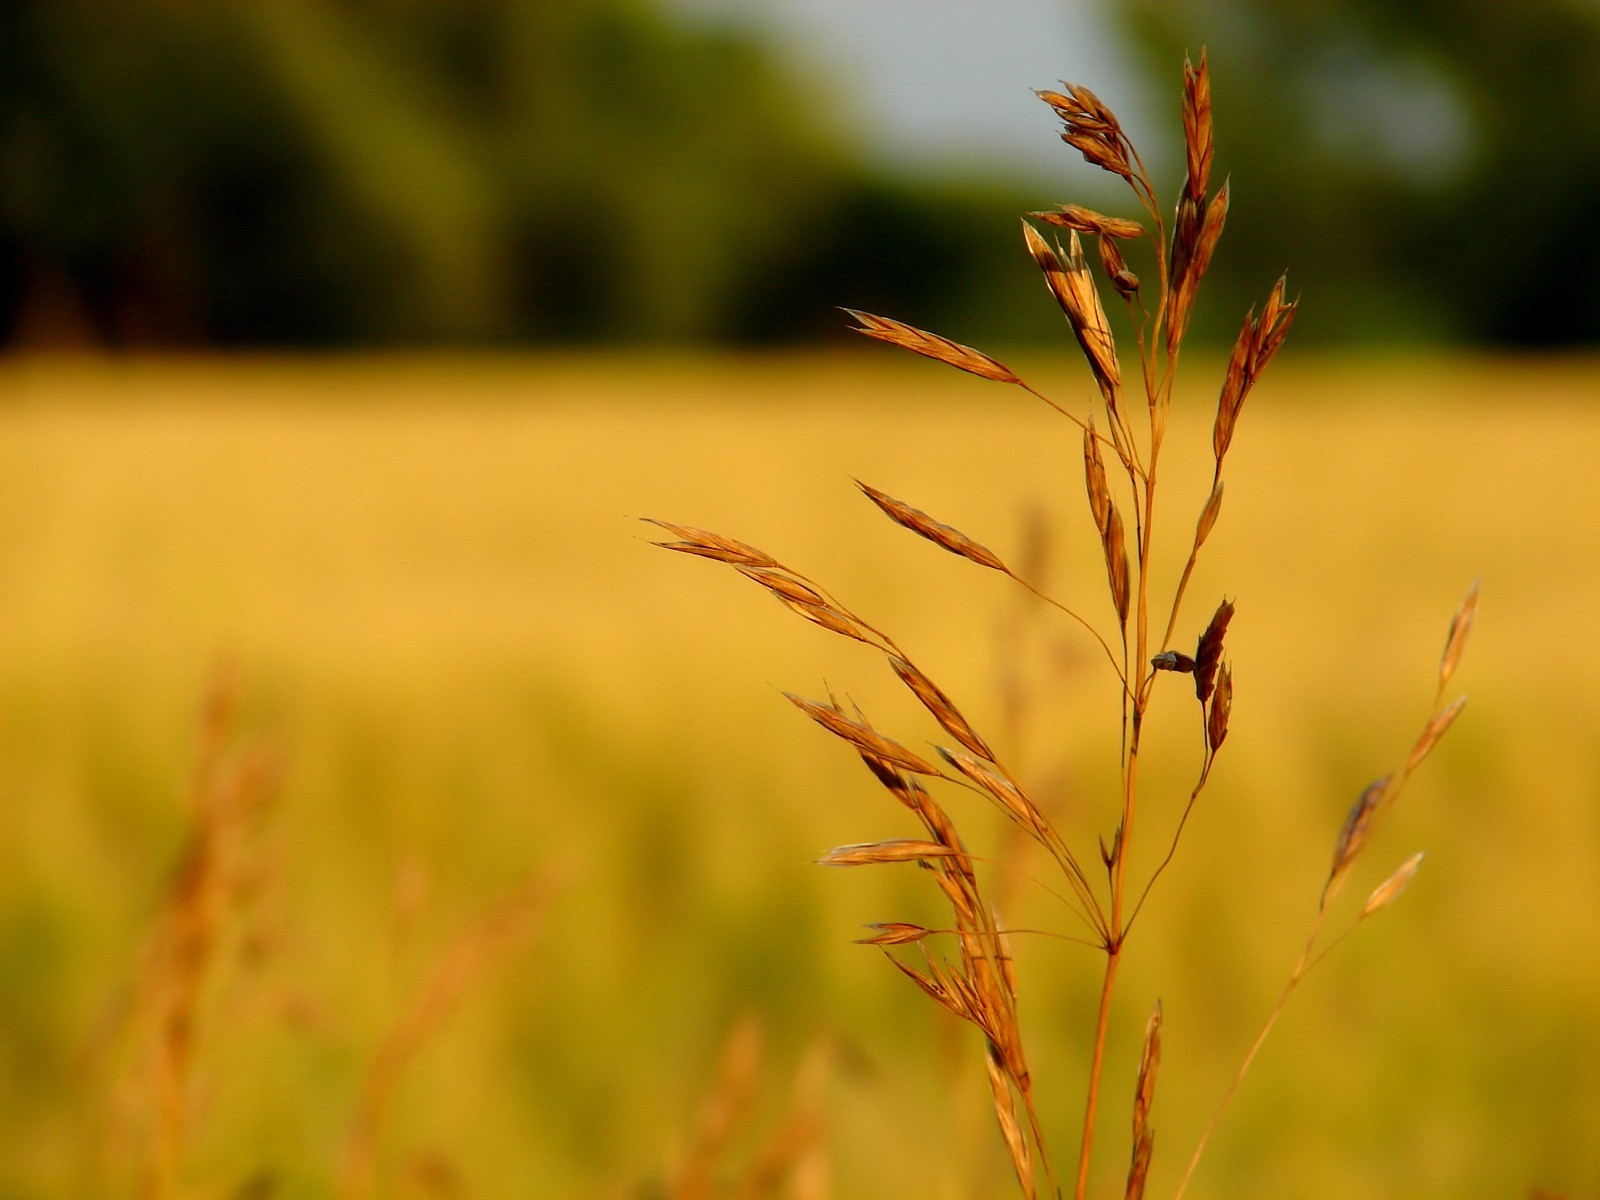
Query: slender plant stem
{"points": [[1293, 982], [1091, 1106]]}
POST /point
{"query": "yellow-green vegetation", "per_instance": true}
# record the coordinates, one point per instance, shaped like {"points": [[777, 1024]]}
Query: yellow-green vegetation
{"points": [[465, 669]]}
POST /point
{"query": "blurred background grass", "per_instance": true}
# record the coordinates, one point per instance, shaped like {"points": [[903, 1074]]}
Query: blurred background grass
{"points": [[471, 665], [584, 237]]}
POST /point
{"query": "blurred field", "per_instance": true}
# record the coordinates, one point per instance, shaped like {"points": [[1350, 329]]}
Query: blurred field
{"points": [[425, 575]]}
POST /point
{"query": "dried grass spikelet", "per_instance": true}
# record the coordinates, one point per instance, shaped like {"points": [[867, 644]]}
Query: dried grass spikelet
{"points": [[931, 345], [1208, 651], [894, 850], [1194, 240], [487, 941], [1387, 892], [794, 1157], [721, 1114], [921, 524], [1116, 267], [862, 736], [1145, 1089], [830, 618], [786, 586], [1435, 730], [705, 544], [796, 593], [1221, 708], [943, 709], [203, 913], [939, 985], [1005, 1108], [1094, 478], [1086, 220], [1091, 129], [1257, 343], [893, 933], [1357, 824], [1456, 641], [1143, 1095], [1117, 565], [1197, 126], [1005, 791], [1208, 515], [1067, 276]]}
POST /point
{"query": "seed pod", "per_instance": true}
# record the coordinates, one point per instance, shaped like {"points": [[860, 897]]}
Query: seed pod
{"points": [[1171, 660]]}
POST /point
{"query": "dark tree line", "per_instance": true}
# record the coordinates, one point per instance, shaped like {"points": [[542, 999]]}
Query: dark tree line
{"points": [[311, 173]]}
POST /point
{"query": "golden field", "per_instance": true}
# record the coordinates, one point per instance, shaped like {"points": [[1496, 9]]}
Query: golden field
{"points": [[470, 667]]}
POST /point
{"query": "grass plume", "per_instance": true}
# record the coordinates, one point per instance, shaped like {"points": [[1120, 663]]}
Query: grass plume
{"points": [[1124, 439]]}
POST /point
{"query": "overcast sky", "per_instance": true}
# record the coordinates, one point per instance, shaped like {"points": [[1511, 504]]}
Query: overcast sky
{"points": [[936, 81]]}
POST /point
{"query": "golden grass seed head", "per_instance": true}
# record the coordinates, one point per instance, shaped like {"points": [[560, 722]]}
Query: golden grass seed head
{"points": [[1387, 892], [862, 736], [921, 524], [1117, 564], [894, 850], [1435, 730], [940, 705], [1208, 515], [1086, 220], [893, 933], [1149, 1061], [1197, 125], [712, 545], [1208, 650], [931, 345], [1116, 268], [1455, 642], [1139, 1168], [1005, 1110], [1094, 473], [1221, 708]]}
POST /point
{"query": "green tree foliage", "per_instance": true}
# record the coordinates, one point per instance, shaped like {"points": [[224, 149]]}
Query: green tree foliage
{"points": [[1431, 168], [307, 172]]}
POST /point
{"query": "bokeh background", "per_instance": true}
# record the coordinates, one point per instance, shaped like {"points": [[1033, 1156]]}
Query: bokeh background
{"points": [[381, 816]]}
